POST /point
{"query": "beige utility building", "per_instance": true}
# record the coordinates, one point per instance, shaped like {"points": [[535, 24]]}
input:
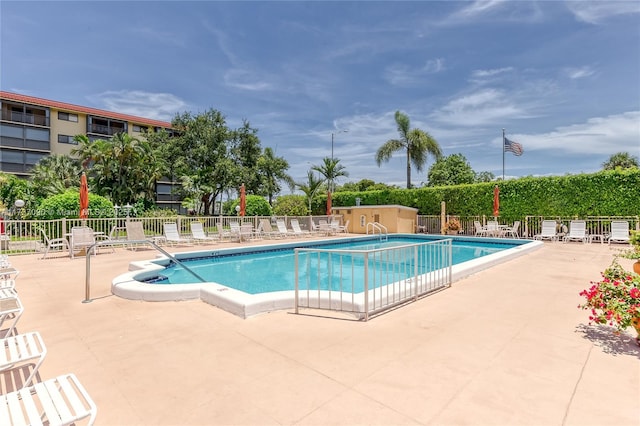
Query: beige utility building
{"points": [[397, 219]]}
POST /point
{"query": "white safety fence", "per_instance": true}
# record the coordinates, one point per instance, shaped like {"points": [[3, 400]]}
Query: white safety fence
{"points": [[367, 282]]}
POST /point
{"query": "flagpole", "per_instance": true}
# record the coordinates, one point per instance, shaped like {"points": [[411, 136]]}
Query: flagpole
{"points": [[503, 154]]}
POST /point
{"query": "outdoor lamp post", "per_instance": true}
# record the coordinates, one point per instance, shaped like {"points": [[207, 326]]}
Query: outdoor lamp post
{"points": [[127, 209], [237, 209]]}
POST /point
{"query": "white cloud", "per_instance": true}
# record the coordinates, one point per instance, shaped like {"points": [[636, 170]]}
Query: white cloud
{"points": [[598, 135], [490, 73], [403, 75], [478, 7], [594, 12], [482, 107], [582, 72], [158, 106], [245, 80]]}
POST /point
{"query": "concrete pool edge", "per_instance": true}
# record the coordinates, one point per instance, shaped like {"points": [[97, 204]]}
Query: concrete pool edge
{"points": [[245, 305]]}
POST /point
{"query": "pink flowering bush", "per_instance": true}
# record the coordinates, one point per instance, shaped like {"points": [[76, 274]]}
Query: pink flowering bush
{"points": [[614, 300]]}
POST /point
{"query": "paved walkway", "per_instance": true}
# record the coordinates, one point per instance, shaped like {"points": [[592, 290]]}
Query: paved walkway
{"points": [[506, 346]]}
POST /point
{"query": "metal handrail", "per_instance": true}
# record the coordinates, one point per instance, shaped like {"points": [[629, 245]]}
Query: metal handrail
{"points": [[380, 227], [120, 242]]}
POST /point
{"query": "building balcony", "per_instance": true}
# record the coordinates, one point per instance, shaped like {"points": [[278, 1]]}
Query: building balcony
{"points": [[21, 117]]}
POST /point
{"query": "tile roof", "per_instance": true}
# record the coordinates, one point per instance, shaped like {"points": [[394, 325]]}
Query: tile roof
{"points": [[86, 110]]}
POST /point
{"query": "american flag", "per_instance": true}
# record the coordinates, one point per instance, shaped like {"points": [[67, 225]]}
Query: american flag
{"points": [[514, 147]]}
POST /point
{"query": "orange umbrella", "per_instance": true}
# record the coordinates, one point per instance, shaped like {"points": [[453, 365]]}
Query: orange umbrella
{"points": [[329, 203], [84, 197], [243, 201], [496, 201]]}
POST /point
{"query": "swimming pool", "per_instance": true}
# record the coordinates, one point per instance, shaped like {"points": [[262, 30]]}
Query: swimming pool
{"points": [[138, 283], [238, 270]]}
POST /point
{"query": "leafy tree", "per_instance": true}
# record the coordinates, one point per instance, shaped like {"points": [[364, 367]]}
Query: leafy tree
{"points": [[272, 170], [54, 174], [331, 169], [451, 170], [417, 144], [256, 206], [484, 177], [124, 168], [310, 188], [200, 152], [245, 152], [622, 160], [67, 205], [13, 188], [364, 185], [290, 205]]}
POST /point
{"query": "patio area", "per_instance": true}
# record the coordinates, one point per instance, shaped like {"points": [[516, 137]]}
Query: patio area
{"points": [[505, 346]]}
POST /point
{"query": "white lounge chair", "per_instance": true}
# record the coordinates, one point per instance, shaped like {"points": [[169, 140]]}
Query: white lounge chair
{"points": [[82, 237], [343, 228], [198, 234], [58, 401], [172, 235], [282, 229], [548, 231], [619, 232], [267, 230], [295, 226], [512, 231], [135, 232], [10, 311], [577, 231], [16, 351], [53, 243], [8, 275]]}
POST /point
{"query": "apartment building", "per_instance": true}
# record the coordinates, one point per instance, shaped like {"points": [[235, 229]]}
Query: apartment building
{"points": [[32, 128]]}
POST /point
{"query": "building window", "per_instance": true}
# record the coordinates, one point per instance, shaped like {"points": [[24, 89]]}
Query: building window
{"points": [[68, 117], [140, 129], [67, 139]]}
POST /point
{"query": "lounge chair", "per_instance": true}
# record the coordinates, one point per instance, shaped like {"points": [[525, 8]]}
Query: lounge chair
{"points": [[10, 310], [619, 232], [267, 230], [246, 232], [235, 231], [577, 231], [282, 229], [82, 238], [172, 235], [297, 231], [512, 231], [53, 243], [343, 228], [58, 401], [8, 275], [548, 231], [223, 234], [135, 232], [198, 234], [16, 351]]}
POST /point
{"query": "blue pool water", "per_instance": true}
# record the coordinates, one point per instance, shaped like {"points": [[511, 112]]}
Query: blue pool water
{"points": [[270, 269]]}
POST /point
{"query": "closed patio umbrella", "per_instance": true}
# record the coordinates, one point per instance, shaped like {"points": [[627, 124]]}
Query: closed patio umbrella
{"points": [[84, 197], [243, 201], [329, 203], [496, 201]]}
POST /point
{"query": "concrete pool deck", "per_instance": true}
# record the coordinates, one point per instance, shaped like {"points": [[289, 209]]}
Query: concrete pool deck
{"points": [[505, 346]]}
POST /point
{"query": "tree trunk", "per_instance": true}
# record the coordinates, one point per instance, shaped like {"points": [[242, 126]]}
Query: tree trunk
{"points": [[408, 168]]}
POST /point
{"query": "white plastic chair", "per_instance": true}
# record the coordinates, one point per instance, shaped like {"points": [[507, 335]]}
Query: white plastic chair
{"points": [[172, 235], [58, 401], [619, 232], [20, 349], [295, 226], [548, 231], [577, 232], [82, 237], [53, 243], [198, 234]]}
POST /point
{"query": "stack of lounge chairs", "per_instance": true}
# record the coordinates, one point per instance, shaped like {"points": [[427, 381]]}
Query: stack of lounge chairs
{"points": [[25, 399]]}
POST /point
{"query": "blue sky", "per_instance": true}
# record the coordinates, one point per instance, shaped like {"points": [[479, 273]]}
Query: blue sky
{"points": [[563, 78]]}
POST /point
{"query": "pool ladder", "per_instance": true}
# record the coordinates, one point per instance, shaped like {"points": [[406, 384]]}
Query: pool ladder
{"points": [[377, 226]]}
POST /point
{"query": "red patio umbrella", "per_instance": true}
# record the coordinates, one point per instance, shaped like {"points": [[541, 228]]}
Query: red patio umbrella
{"points": [[496, 201], [329, 203], [84, 197], [243, 201]]}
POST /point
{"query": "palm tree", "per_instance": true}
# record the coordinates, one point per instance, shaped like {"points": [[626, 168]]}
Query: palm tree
{"points": [[331, 170], [272, 170], [622, 160], [416, 142], [310, 187], [54, 174]]}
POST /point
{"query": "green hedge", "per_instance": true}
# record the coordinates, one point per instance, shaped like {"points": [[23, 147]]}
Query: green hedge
{"points": [[607, 193]]}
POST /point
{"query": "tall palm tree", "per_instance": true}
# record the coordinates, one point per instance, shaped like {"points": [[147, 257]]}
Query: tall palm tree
{"points": [[310, 187], [417, 143], [330, 169], [54, 174], [272, 170]]}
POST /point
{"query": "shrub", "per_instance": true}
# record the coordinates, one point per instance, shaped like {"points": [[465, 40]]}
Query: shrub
{"points": [[291, 205], [67, 205], [256, 206]]}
